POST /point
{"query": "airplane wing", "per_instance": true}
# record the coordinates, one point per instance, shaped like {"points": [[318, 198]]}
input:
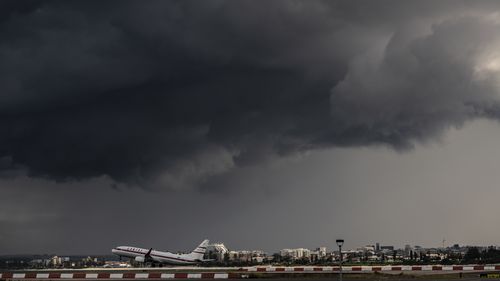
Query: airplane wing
{"points": [[148, 254], [146, 258]]}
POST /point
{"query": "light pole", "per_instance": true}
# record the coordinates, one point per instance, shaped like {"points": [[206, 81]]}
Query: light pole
{"points": [[340, 242]]}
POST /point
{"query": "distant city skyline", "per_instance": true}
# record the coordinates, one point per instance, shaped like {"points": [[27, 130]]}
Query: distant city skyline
{"points": [[326, 247]]}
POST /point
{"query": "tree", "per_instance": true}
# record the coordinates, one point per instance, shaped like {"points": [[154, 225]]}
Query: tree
{"points": [[472, 256], [426, 258], [492, 255], [286, 259], [276, 258]]}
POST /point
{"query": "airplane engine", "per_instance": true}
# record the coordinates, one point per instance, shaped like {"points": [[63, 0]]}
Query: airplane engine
{"points": [[140, 259]]}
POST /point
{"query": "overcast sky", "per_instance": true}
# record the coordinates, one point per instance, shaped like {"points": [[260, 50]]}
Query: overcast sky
{"points": [[261, 125]]}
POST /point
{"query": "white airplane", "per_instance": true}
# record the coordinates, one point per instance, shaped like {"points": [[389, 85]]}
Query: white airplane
{"points": [[150, 255]]}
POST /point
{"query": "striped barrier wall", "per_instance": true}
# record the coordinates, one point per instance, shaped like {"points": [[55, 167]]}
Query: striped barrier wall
{"points": [[98, 275], [125, 276], [369, 269]]}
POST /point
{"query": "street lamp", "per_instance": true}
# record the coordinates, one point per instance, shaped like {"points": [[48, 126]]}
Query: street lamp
{"points": [[340, 242]]}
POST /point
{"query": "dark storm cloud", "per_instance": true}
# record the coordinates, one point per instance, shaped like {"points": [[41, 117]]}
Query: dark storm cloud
{"points": [[170, 94]]}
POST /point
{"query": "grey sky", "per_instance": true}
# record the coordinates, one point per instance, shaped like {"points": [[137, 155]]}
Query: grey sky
{"points": [[260, 125], [446, 189]]}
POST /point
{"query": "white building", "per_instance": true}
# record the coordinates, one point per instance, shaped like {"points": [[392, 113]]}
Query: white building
{"points": [[321, 252], [247, 256], [217, 251], [56, 261], [298, 253]]}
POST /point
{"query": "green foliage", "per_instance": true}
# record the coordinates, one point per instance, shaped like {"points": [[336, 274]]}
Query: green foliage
{"points": [[491, 255], [472, 256]]}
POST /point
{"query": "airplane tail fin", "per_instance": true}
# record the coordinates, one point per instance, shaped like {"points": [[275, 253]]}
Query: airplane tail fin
{"points": [[199, 252]]}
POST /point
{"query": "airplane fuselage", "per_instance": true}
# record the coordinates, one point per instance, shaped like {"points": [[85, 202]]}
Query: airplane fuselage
{"points": [[157, 256], [150, 255]]}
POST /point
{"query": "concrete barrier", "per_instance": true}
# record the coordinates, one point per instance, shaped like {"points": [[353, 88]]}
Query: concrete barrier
{"points": [[233, 273]]}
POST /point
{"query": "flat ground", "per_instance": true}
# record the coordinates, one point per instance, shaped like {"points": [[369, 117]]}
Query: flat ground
{"points": [[372, 278], [376, 277]]}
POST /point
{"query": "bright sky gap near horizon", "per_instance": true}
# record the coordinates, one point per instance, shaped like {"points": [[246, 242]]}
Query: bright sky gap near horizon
{"points": [[264, 126]]}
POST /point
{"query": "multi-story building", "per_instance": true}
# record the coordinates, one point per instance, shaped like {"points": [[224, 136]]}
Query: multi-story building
{"points": [[295, 254], [247, 256], [389, 248], [216, 251]]}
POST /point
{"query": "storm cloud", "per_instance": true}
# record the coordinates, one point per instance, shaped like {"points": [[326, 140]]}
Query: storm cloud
{"points": [[177, 94]]}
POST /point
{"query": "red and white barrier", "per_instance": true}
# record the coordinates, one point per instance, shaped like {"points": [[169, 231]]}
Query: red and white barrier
{"points": [[234, 273], [369, 269], [127, 275]]}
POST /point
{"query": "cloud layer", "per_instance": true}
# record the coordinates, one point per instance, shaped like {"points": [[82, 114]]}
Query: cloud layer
{"points": [[170, 94]]}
